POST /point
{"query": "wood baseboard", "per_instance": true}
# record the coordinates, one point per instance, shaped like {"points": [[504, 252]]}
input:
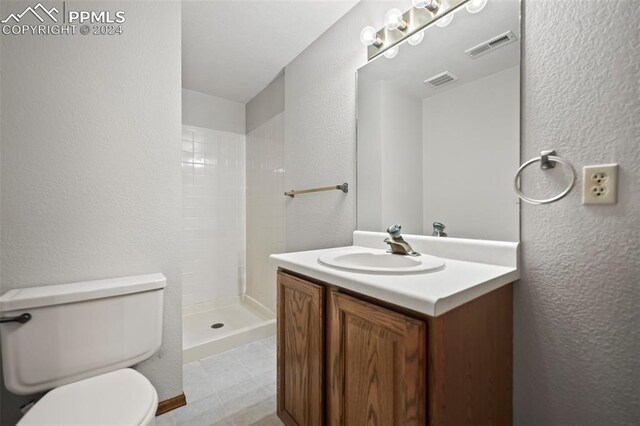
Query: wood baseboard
{"points": [[171, 404]]}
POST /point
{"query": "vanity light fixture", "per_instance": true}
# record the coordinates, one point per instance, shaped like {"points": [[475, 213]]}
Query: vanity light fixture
{"points": [[391, 52], [409, 25], [446, 20], [475, 6], [430, 5], [416, 38], [393, 20], [369, 37]]}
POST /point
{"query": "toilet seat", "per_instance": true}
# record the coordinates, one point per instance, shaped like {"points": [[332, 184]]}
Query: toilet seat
{"points": [[119, 398]]}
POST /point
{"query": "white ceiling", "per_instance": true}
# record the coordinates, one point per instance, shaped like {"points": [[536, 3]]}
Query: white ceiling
{"points": [[443, 50], [234, 48]]}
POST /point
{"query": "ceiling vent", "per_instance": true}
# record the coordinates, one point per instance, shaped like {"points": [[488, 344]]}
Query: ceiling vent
{"points": [[441, 79], [490, 45]]}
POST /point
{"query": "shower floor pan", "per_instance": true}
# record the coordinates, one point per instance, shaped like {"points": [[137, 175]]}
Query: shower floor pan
{"points": [[213, 327]]}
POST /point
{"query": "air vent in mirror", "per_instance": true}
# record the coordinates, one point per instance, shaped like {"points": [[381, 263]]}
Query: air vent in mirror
{"points": [[441, 79], [489, 45]]}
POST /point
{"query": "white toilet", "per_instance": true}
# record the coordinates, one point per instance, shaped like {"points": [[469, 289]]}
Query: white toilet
{"points": [[77, 342]]}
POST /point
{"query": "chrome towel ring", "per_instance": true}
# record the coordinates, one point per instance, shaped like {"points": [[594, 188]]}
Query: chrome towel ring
{"points": [[547, 160]]}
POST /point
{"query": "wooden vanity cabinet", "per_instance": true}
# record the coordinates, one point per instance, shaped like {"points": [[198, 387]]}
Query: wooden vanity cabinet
{"points": [[376, 362], [346, 359], [300, 351]]}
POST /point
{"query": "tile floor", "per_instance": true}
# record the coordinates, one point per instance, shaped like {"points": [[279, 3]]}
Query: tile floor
{"points": [[234, 388]]}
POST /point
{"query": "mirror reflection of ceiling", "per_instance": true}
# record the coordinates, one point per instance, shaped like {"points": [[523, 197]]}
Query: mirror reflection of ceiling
{"points": [[443, 49]]}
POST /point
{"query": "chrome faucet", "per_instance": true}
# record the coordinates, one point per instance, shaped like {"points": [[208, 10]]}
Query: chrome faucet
{"points": [[397, 244]]}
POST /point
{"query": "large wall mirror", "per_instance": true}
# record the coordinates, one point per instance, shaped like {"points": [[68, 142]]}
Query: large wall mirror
{"points": [[439, 129]]}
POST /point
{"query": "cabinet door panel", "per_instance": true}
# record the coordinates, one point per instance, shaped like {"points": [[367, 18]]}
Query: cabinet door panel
{"points": [[300, 351], [377, 365]]}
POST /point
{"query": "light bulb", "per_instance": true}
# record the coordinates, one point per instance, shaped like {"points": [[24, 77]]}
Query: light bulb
{"points": [[369, 36], [393, 20], [391, 52], [475, 6], [416, 38], [443, 22], [431, 5]]}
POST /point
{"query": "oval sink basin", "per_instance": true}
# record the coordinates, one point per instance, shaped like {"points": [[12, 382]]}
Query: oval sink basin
{"points": [[380, 262]]}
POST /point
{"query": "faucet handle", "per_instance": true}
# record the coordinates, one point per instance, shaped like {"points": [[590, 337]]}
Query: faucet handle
{"points": [[438, 229], [394, 231]]}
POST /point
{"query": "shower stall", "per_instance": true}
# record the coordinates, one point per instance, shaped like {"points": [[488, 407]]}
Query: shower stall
{"points": [[233, 219]]}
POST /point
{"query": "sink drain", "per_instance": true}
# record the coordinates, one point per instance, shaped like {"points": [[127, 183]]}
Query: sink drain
{"points": [[217, 325]]}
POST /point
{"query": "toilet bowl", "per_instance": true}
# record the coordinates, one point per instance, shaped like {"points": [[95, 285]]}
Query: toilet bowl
{"points": [[76, 341], [121, 397]]}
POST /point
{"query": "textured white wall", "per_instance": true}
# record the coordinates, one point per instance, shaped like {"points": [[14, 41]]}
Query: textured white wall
{"points": [[212, 112], [91, 162], [577, 315], [320, 130], [576, 308], [470, 152]]}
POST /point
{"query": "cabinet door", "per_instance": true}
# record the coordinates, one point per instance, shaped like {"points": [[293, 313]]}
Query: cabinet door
{"points": [[300, 351], [376, 368]]}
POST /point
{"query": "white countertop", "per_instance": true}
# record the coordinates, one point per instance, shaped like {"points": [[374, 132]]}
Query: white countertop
{"points": [[463, 278]]}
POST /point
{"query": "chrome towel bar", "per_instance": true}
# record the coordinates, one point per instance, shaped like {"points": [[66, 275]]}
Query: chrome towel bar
{"points": [[344, 188]]}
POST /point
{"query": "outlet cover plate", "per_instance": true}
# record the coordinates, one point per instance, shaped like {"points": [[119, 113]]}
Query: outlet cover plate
{"points": [[600, 184]]}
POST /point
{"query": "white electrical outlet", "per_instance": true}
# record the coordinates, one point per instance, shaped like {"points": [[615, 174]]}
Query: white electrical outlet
{"points": [[600, 184]]}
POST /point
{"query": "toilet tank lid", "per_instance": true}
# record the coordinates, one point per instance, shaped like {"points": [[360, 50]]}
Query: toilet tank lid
{"points": [[57, 294]]}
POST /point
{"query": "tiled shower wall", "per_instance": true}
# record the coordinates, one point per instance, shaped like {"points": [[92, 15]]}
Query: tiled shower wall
{"points": [[265, 207], [213, 206]]}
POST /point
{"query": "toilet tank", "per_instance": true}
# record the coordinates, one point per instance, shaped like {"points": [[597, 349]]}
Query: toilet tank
{"points": [[79, 330]]}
